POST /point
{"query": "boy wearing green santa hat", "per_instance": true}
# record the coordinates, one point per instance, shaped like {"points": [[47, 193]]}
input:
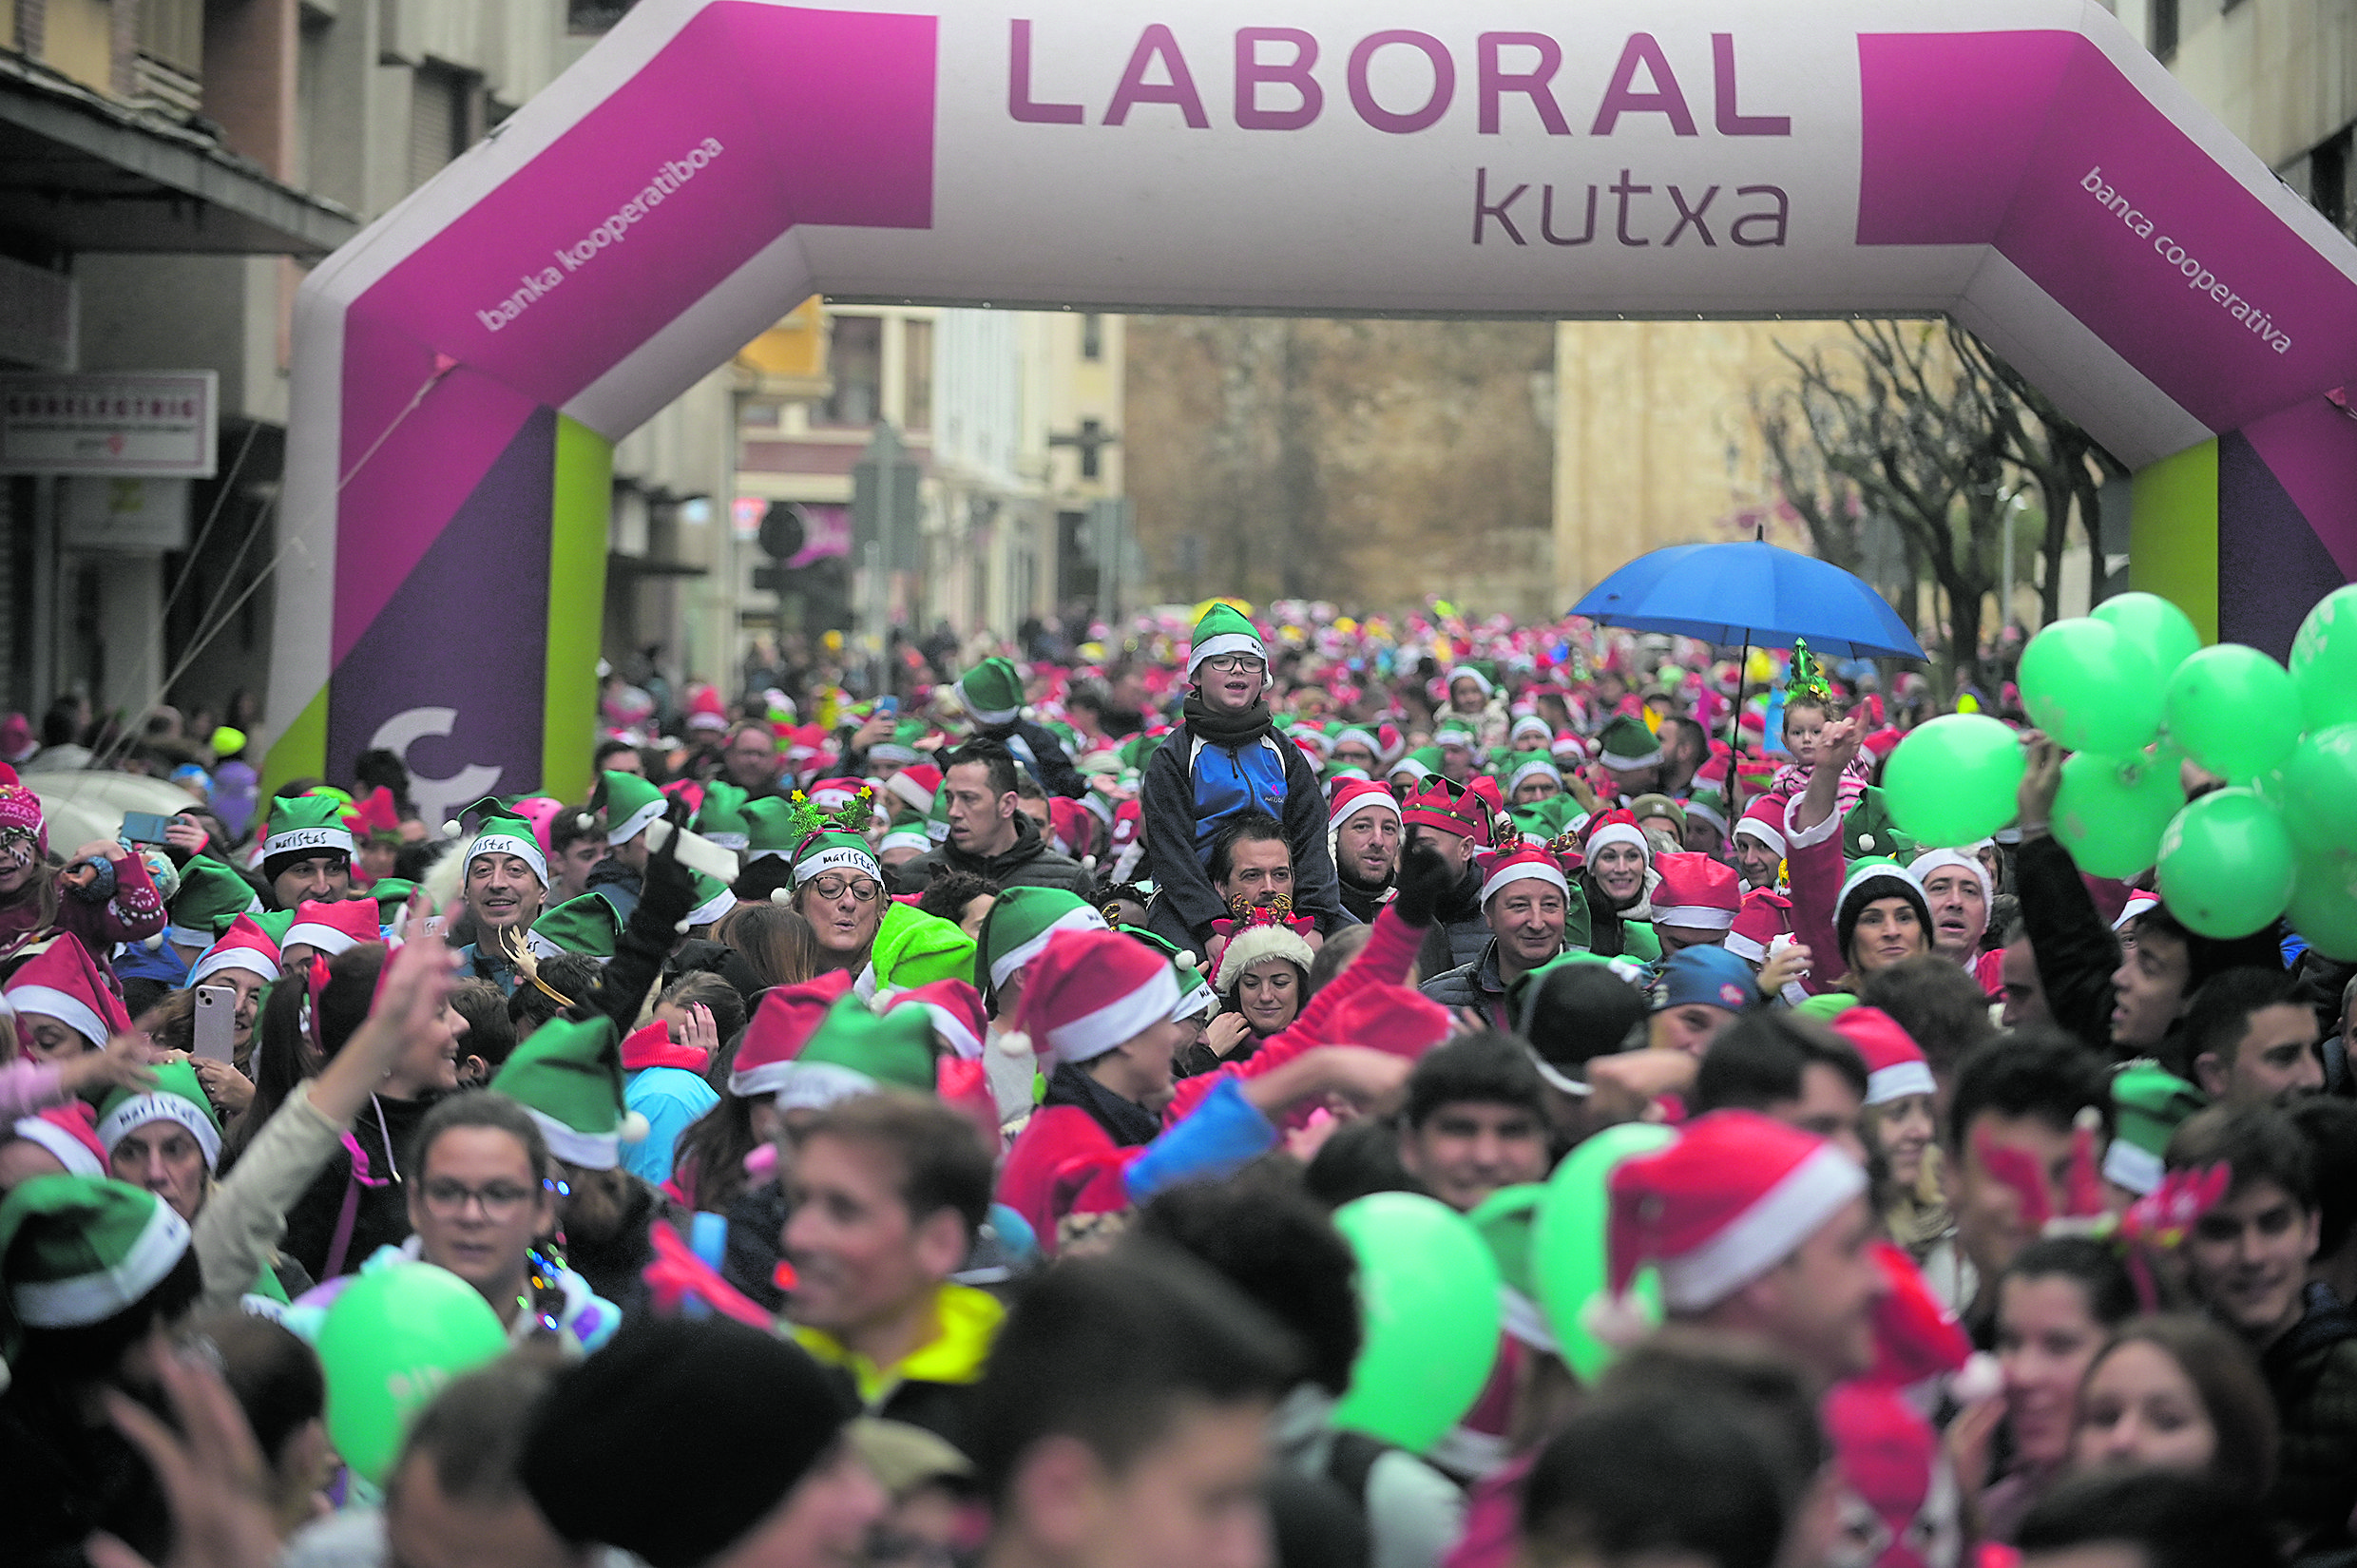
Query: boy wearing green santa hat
{"points": [[992, 691]]}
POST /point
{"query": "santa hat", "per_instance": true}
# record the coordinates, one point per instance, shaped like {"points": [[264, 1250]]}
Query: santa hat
{"points": [[1130, 815], [1963, 860], [1073, 826], [1530, 729], [1501, 871], [786, 1019], [1733, 1196], [956, 1010], [59, 982], [332, 925], [244, 946], [499, 831], [20, 813], [1391, 1018], [992, 693], [177, 1098], [1449, 809], [1535, 765], [1895, 1067], [70, 1133], [1697, 893], [705, 711], [1888, 1456], [1351, 797], [1568, 749], [1017, 930], [1089, 992], [568, 1076], [917, 783], [80, 1250], [1628, 745], [1614, 827], [1763, 819], [1262, 936], [1391, 745], [1222, 630], [301, 827], [630, 803], [211, 896], [2140, 903], [2147, 1104], [1765, 916], [376, 817]]}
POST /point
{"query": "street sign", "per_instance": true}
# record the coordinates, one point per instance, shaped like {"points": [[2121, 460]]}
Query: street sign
{"points": [[783, 530], [153, 424]]}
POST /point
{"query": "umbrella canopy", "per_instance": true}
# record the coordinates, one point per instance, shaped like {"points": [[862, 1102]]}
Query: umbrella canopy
{"points": [[1751, 592]]}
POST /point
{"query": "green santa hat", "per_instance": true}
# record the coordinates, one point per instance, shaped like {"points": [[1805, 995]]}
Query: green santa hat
{"points": [[1017, 929], [937, 817], [2148, 1104], [1223, 630], [713, 900], [303, 826], [79, 1250], [1628, 745], [908, 831], [854, 1051], [178, 1097], [838, 852], [568, 1076], [721, 817], [992, 693], [589, 925], [1139, 749], [902, 748], [773, 827], [210, 899], [499, 831], [1196, 996], [631, 805], [1868, 831], [1506, 1219], [913, 949]]}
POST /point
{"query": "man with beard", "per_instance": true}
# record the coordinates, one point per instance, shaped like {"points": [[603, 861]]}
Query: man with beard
{"points": [[1365, 828]]}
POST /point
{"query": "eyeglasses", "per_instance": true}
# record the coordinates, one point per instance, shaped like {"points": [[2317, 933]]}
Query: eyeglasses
{"points": [[864, 889], [501, 1200], [1231, 664]]}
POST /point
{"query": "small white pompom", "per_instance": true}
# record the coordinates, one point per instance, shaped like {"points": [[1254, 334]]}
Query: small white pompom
{"points": [[633, 1128], [1089, 863], [1190, 960], [584, 819], [1016, 1044], [1616, 1320], [1866, 841], [1980, 1378], [452, 828], [782, 895], [681, 927]]}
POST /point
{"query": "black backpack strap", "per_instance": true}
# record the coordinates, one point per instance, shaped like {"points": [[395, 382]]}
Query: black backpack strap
{"points": [[1350, 1460]]}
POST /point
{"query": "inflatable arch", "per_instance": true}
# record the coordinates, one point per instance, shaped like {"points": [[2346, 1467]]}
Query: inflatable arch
{"points": [[462, 367]]}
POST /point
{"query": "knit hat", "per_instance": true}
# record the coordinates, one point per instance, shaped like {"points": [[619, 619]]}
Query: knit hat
{"points": [[1868, 829], [1734, 1196], [1222, 630], [1711, 977], [499, 831], [630, 803], [1018, 927], [1697, 893], [721, 817], [1091, 991], [69, 1132], [847, 1051], [917, 784], [784, 1022], [1651, 804], [1895, 1067], [244, 946], [178, 1097], [1264, 935], [2148, 1104], [613, 1450], [956, 1010], [568, 1075], [1765, 916], [303, 826], [1763, 819], [1628, 745], [78, 1249], [332, 925], [1501, 871], [1615, 827], [1194, 993], [588, 925], [1963, 860], [992, 691], [1867, 881], [20, 816], [211, 896], [1449, 809], [59, 982]]}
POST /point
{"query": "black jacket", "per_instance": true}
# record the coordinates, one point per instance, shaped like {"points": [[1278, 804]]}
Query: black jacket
{"points": [[2312, 1373], [2075, 951], [1459, 932], [1030, 864], [1185, 903], [1480, 986], [1362, 904]]}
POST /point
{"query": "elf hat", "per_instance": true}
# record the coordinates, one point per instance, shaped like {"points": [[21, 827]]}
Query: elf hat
{"points": [[2148, 1104], [77, 1250], [630, 803], [1351, 797], [568, 1076], [786, 1019], [70, 1133], [1222, 630], [1763, 819], [1734, 1196], [1697, 893], [837, 851], [992, 691], [59, 982], [178, 1097], [917, 784], [1532, 730], [20, 813], [773, 827], [1615, 827], [1455, 734], [907, 833], [244, 946], [955, 1008], [1263, 936], [588, 925], [847, 1051], [211, 896], [1089, 992], [1535, 765], [714, 898], [303, 826], [499, 831], [1710, 804], [1448, 808], [1626, 745], [1501, 871], [1357, 735], [721, 817], [1867, 881], [1895, 1067], [901, 748], [1868, 829], [1466, 672], [1765, 916], [332, 925], [1195, 996], [1017, 930]]}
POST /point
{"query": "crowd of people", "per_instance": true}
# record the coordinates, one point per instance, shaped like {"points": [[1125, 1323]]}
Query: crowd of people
{"points": [[913, 1131]]}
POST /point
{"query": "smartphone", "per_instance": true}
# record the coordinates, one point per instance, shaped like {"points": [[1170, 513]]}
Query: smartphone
{"points": [[144, 827], [217, 1020], [887, 707]]}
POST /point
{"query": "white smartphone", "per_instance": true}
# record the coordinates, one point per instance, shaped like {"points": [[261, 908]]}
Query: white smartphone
{"points": [[217, 1020]]}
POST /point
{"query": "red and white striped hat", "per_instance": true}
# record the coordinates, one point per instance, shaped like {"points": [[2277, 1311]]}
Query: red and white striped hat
{"points": [[1732, 1198], [1895, 1067], [1529, 863], [1697, 893], [1765, 916]]}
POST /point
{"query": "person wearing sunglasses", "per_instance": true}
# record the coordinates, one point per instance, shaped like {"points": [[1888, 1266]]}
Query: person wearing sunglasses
{"points": [[1223, 762]]}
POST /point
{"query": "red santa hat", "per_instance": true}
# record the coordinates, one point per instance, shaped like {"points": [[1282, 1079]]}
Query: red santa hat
{"points": [[1073, 826], [70, 1133], [1895, 1067], [1501, 871], [1765, 916], [917, 784], [331, 926], [1391, 1018], [1351, 797], [1614, 827], [244, 946], [1697, 893], [1888, 1456], [830, 792], [1090, 991], [788, 1015], [1127, 819], [1449, 809], [59, 982], [1763, 819], [956, 1009], [2140, 903], [1733, 1198]]}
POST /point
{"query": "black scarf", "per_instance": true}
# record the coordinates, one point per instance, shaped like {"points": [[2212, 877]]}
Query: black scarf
{"points": [[1126, 1122], [1248, 728]]}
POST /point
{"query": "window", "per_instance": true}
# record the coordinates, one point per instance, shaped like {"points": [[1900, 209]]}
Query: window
{"points": [[855, 360], [2328, 179], [917, 349], [442, 118], [2164, 27], [173, 31], [1091, 442], [1092, 336]]}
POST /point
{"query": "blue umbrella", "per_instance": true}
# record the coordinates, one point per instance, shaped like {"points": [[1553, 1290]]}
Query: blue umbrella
{"points": [[1753, 593]]}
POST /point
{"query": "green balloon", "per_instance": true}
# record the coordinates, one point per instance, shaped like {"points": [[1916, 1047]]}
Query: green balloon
{"points": [[2234, 710], [1953, 781], [2227, 865], [2324, 660], [2111, 814], [388, 1344], [2154, 625], [2324, 906], [2319, 792], [2088, 685], [1427, 1291], [1568, 1243]]}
